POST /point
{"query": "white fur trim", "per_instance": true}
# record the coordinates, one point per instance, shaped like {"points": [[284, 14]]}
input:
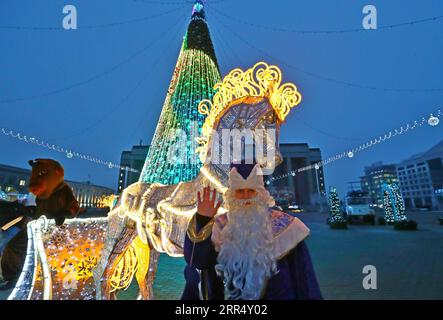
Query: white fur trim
{"points": [[284, 241], [290, 237]]}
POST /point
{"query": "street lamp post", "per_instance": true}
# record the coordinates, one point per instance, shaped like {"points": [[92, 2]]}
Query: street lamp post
{"points": [[318, 190]]}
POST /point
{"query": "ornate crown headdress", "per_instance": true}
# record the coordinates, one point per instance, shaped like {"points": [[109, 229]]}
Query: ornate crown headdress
{"points": [[262, 81]]}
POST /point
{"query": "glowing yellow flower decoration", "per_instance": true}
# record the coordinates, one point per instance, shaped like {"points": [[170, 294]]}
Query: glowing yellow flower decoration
{"points": [[260, 81]]}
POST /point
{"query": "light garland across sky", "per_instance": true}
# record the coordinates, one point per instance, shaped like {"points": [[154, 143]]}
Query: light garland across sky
{"points": [[98, 76], [68, 152], [337, 31], [433, 119], [96, 26], [323, 77]]}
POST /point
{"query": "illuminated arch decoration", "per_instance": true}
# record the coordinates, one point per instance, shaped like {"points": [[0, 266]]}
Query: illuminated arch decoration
{"points": [[260, 81]]}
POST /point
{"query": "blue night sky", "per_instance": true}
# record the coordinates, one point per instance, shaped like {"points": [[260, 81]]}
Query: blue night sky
{"points": [[118, 74]]}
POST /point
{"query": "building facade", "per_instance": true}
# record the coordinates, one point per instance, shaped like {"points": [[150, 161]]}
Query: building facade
{"points": [[306, 189], [16, 180], [135, 159], [375, 176], [421, 179], [89, 195]]}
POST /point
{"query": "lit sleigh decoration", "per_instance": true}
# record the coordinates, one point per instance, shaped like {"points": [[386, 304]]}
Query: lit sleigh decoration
{"points": [[60, 260], [150, 219]]}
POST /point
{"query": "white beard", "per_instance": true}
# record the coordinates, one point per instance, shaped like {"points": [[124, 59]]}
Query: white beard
{"points": [[246, 258]]}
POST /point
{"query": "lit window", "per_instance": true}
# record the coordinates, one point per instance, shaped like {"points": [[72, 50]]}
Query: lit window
{"points": [[22, 182]]}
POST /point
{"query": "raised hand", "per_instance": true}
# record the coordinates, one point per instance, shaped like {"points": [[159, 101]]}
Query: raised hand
{"points": [[206, 206]]}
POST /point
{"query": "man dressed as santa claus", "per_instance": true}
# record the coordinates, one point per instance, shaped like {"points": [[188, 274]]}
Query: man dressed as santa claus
{"points": [[251, 252]]}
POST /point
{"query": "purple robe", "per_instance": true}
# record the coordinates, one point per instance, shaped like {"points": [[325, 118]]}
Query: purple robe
{"points": [[295, 278]]}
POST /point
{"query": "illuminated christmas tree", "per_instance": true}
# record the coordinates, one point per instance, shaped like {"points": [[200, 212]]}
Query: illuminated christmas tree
{"points": [[171, 158], [387, 206], [399, 203], [393, 204], [394, 207], [335, 219]]}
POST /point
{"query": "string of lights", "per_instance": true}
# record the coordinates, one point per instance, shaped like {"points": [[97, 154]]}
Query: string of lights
{"points": [[97, 26], [219, 48], [166, 3], [226, 47], [326, 78], [232, 53], [93, 77], [149, 72], [433, 119], [194, 77], [351, 30], [177, 2], [229, 55], [322, 132], [67, 151], [145, 118]]}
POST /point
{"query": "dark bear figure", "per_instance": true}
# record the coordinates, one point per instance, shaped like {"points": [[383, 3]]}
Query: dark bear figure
{"points": [[54, 199]]}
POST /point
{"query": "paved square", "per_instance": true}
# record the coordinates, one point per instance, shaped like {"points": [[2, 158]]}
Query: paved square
{"points": [[409, 263]]}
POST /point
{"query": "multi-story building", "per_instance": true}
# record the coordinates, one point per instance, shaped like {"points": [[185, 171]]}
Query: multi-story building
{"points": [[134, 159], [306, 189], [16, 180], [375, 175], [421, 179], [88, 194]]}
